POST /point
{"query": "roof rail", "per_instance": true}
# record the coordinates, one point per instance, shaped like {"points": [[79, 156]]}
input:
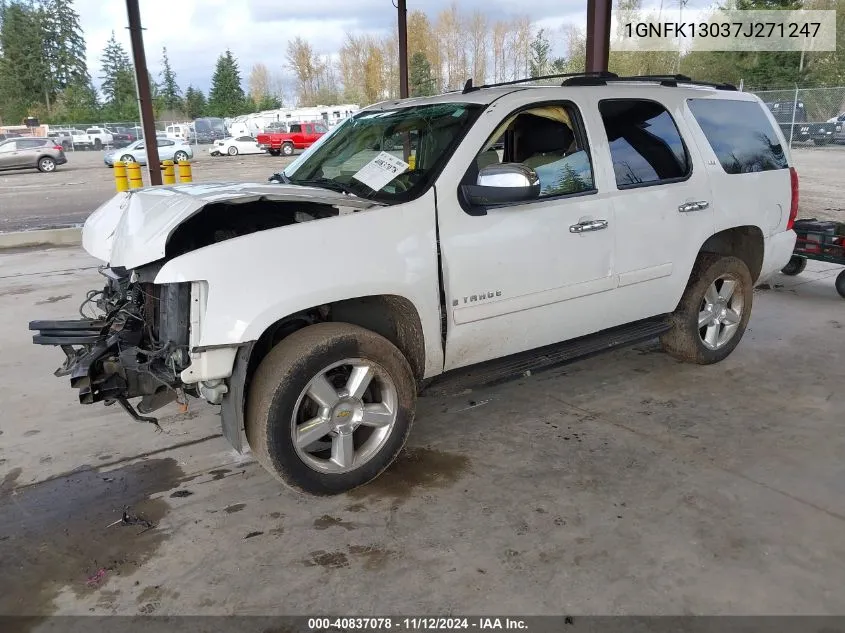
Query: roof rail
{"points": [[598, 74], [664, 80]]}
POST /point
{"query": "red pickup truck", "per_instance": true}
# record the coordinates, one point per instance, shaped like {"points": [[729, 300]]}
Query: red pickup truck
{"points": [[301, 136]]}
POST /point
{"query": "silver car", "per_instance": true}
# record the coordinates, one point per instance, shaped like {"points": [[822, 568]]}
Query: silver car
{"points": [[168, 149], [39, 153]]}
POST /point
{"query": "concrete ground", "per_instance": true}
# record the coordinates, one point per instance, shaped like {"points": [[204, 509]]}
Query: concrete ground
{"points": [[625, 484], [31, 200]]}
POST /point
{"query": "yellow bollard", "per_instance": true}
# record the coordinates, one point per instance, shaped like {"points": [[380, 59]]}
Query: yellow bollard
{"points": [[169, 172], [185, 171], [120, 181], [133, 171]]}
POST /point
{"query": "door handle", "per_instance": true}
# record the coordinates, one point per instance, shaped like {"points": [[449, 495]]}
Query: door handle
{"points": [[693, 206], [588, 225]]}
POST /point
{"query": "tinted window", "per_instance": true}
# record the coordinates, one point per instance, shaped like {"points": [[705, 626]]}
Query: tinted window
{"points": [[740, 134], [296, 127], [30, 143], [244, 139], [645, 145], [163, 142]]}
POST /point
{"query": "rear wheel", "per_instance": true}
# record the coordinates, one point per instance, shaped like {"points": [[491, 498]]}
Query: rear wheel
{"points": [[287, 149], [46, 164], [233, 151], [796, 266], [713, 313], [330, 407]]}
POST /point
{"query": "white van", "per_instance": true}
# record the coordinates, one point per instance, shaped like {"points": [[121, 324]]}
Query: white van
{"points": [[177, 132]]}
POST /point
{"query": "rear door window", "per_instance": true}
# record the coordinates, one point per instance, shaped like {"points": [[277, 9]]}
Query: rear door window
{"points": [[741, 135], [645, 144]]}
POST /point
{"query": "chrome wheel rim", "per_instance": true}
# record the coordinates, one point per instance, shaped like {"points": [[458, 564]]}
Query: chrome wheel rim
{"points": [[180, 156], [344, 416], [48, 165], [721, 312]]}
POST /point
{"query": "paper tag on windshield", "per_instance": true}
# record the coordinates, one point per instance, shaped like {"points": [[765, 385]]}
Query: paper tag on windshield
{"points": [[381, 170]]}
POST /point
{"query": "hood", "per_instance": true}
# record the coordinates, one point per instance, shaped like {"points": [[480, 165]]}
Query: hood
{"points": [[132, 228]]}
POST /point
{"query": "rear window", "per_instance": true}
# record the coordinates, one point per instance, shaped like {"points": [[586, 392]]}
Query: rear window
{"points": [[740, 134]]}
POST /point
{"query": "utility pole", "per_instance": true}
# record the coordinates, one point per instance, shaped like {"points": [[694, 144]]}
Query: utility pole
{"points": [[598, 35], [403, 49], [142, 84]]}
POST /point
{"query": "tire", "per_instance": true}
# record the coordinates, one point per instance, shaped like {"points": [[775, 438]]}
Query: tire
{"points": [[128, 158], [840, 284], [277, 403], [724, 327], [795, 266], [98, 144], [46, 164], [287, 149], [180, 156], [233, 151], [821, 142]]}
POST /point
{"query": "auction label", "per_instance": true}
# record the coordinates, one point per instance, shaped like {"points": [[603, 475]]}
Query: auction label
{"points": [[381, 170]]}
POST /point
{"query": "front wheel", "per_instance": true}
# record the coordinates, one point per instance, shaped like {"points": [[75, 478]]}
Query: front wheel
{"points": [[180, 156], [127, 158], [287, 149], [46, 164], [795, 266], [330, 407], [713, 313], [821, 141]]}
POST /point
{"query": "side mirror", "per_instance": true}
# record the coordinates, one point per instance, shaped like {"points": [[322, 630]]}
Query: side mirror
{"points": [[503, 183]]}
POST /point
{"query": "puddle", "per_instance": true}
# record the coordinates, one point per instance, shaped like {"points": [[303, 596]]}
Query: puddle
{"points": [[415, 468], [54, 534]]}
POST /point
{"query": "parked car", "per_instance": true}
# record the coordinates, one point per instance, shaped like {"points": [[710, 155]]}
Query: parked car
{"points": [[121, 137], [202, 137], [798, 127], [838, 127], [300, 136], [177, 132], [314, 311], [61, 137], [43, 154], [8, 135], [99, 137], [235, 146], [136, 152]]}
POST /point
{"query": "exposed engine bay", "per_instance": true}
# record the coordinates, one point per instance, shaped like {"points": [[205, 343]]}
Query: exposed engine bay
{"points": [[132, 341]]}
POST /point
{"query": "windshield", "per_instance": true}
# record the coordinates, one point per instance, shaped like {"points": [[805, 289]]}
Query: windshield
{"points": [[391, 155]]}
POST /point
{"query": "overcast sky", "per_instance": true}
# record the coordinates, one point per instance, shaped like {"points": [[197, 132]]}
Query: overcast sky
{"points": [[195, 32]]}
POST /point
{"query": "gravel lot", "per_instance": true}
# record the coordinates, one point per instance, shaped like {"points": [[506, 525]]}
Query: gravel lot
{"points": [[31, 200]]}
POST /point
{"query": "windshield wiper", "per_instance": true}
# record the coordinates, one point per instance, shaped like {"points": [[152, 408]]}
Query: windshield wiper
{"points": [[326, 183]]}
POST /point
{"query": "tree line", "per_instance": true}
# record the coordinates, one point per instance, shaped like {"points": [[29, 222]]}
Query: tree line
{"points": [[43, 70]]}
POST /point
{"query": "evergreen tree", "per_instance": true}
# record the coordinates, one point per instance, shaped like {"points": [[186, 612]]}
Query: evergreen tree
{"points": [[170, 97], [23, 69], [64, 44], [267, 102], [420, 79], [540, 49], [78, 103], [195, 104], [118, 87], [226, 97]]}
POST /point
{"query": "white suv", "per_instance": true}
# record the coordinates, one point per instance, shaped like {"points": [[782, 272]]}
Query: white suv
{"points": [[511, 226]]}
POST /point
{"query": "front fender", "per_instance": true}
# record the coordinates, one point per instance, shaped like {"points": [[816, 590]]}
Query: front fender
{"points": [[257, 279]]}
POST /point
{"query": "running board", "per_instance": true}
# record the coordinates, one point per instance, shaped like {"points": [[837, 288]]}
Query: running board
{"points": [[512, 367]]}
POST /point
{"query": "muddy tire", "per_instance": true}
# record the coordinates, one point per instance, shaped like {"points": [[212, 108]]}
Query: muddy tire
{"points": [[330, 407], [795, 266], [713, 313]]}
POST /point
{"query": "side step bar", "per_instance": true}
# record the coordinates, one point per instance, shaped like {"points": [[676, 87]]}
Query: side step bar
{"points": [[512, 367]]}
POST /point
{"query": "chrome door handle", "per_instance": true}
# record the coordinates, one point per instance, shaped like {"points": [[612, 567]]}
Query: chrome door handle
{"points": [[693, 206], [588, 225]]}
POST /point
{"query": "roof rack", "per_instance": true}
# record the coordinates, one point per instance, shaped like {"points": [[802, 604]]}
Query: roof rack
{"points": [[664, 80], [598, 75]]}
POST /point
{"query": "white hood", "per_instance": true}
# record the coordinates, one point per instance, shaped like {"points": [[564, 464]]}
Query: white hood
{"points": [[132, 228]]}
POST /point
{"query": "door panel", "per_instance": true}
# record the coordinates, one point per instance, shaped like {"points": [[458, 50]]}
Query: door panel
{"points": [[518, 277]]}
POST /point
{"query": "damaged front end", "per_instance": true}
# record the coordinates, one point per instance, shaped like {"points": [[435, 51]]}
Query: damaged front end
{"points": [[133, 344]]}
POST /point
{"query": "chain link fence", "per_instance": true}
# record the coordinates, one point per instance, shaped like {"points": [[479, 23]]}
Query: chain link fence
{"points": [[808, 115]]}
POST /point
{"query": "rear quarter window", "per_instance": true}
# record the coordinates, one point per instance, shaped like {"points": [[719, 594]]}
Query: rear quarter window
{"points": [[741, 135]]}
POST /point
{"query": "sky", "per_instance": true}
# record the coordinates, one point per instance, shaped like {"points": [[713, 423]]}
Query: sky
{"points": [[195, 32]]}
